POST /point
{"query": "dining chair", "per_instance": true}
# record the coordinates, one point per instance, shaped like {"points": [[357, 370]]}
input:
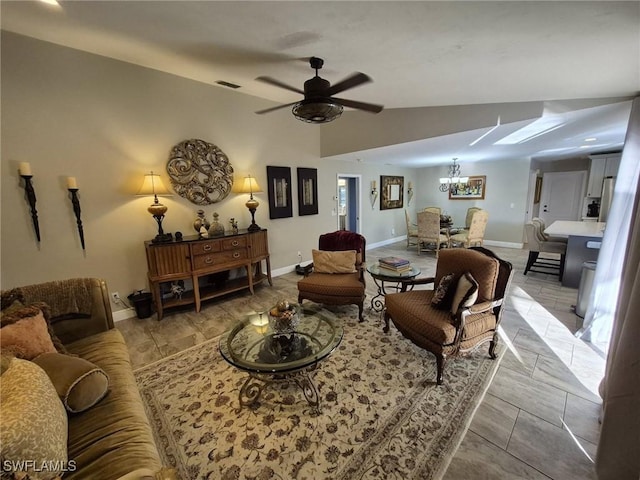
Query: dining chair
{"points": [[430, 237], [412, 230], [469, 217], [437, 210], [475, 234]]}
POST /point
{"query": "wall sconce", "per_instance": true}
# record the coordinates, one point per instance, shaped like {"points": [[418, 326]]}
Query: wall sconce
{"points": [[72, 186], [153, 185], [374, 193], [250, 186], [409, 193], [25, 173]]}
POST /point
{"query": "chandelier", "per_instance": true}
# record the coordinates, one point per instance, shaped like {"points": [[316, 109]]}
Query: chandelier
{"points": [[453, 178]]}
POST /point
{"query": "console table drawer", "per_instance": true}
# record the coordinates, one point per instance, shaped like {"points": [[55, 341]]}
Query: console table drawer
{"points": [[208, 261], [233, 243], [209, 246]]}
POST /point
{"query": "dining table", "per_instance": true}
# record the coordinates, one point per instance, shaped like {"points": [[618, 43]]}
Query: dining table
{"points": [[583, 245]]}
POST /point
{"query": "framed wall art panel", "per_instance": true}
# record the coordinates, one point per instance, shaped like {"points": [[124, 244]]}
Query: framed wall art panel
{"points": [[392, 192], [307, 191], [279, 189], [474, 189]]}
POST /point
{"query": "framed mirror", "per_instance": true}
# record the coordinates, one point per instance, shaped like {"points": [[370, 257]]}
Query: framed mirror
{"points": [[392, 192]]}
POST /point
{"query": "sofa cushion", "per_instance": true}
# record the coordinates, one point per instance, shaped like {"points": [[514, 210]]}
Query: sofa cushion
{"points": [[334, 262], [33, 423], [80, 384], [96, 436], [27, 337]]}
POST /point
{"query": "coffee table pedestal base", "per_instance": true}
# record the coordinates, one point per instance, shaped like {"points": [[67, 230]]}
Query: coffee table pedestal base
{"points": [[257, 382]]}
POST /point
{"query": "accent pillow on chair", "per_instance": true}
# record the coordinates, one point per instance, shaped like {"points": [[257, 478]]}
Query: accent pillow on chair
{"points": [[325, 261], [466, 293], [444, 292]]}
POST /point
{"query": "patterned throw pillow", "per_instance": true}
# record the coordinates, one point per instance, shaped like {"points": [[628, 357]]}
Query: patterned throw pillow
{"points": [[17, 312], [444, 292], [466, 293], [34, 424]]}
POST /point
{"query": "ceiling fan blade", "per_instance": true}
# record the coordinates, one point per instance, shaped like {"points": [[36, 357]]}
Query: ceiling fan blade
{"points": [[267, 110], [278, 83], [369, 107], [352, 81]]}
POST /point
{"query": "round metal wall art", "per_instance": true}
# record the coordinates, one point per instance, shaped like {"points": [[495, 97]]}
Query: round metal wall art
{"points": [[200, 172]]}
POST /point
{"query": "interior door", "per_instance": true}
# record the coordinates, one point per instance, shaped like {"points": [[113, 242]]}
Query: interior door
{"points": [[349, 203], [561, 197]]}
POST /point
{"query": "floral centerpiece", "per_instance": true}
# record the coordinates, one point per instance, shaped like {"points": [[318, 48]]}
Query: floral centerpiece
{"points": [[283, 317]]}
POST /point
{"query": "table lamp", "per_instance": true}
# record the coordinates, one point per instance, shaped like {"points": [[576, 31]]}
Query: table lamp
{"points": [[250, 186], [153, 185]]}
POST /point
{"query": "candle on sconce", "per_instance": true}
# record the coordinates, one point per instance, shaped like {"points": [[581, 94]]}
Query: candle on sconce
{"points": [[410, 184], [71, 182], [24, 168], [373, 184]]}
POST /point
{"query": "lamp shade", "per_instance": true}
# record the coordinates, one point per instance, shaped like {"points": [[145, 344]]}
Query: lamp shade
{"points": [[153, 185], [249, 185]]}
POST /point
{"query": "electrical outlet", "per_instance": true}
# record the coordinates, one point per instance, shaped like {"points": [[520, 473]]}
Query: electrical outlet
{"points": [[115, 296]]}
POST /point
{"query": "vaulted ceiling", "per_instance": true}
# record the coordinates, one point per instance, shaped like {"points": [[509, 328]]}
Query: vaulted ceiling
{"points": [[576, 63]]}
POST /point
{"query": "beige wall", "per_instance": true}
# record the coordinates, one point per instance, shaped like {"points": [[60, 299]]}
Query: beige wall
{"points": [[106, 122]]}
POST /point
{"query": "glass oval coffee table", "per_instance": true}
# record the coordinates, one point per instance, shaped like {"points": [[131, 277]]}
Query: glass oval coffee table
{"points": [[251, 345]]}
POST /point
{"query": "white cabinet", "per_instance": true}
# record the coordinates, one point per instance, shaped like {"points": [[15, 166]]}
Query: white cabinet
{"points": [[596, 175], [605, 165], [612, 165]]}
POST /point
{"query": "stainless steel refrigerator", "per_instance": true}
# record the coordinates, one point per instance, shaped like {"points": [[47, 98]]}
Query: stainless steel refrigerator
{"points": [[606, 197]]}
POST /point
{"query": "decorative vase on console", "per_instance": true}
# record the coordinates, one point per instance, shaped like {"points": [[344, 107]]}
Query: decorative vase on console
{"points": [[216, 230], [201, 221]]}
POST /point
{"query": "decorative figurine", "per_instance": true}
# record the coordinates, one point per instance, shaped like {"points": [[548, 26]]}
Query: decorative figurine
{"points": [[177, 289], [203, 232], [234, 225], [216, 230], [201, 221]]}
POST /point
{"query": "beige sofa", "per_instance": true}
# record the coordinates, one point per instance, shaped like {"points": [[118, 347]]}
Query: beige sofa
{"points": [[112, 439]]}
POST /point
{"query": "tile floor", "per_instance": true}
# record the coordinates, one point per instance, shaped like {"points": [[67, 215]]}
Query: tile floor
{"points": [[539, 418]]}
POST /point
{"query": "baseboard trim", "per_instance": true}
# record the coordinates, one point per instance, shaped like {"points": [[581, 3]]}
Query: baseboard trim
{"points": [[123, 314], [494, 243]]}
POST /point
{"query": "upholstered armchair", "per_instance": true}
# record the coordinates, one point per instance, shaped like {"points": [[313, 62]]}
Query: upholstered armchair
{"points": [[475, 234], [338, 271], [430, 236], [462, 313], [537, 243], [412, 230]]}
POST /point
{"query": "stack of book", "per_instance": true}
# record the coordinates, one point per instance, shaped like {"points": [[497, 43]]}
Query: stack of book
{"points": [[394, 264]]}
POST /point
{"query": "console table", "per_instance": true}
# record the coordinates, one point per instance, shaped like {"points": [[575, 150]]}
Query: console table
{"points": [[207, 262]]}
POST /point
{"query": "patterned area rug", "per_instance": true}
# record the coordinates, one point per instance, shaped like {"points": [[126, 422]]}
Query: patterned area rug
{"points": [[382, 414]]}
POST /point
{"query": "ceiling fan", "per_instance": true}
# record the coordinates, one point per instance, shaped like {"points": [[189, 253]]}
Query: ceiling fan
{"points": [[319, 105]]}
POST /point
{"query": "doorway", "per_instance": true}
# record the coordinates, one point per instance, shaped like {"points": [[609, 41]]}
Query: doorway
{"points": [[561, 197], [348, 200]]}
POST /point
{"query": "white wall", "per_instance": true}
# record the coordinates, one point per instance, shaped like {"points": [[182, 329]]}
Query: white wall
{"points": [[505, 197], [106, 122]]}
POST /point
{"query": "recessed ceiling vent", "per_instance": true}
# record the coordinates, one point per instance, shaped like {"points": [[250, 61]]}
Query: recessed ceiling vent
{"points": [[227, 84]]}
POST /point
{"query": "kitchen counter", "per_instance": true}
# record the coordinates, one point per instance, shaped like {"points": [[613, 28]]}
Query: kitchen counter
{"points": [[583, 245], [567, 228]]}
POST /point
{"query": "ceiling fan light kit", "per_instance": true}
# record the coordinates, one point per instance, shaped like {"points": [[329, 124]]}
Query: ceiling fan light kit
{"points": [[319, 105], [317, 112]]}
